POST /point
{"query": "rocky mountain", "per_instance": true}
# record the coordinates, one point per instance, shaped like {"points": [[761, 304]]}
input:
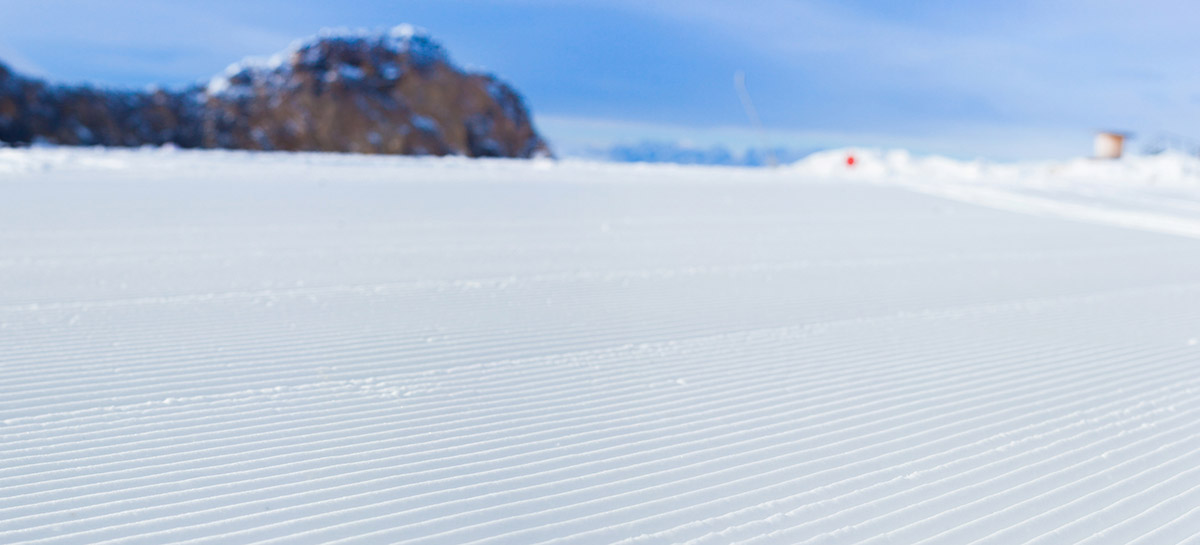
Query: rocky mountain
{"points": [[392, 92]]}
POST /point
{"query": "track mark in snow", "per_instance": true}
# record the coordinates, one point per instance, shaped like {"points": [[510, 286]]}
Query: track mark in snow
{"points": [[499, 354]]}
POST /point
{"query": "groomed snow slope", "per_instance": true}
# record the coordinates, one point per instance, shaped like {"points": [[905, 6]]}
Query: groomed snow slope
{"points": [[231, 348]]}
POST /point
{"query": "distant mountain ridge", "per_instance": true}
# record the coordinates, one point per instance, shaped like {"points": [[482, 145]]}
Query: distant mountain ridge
{"points": [[388, 92], [652, 151]]}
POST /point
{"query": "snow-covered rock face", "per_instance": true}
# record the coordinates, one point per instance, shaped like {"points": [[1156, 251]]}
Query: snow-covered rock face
{"points": [[392, 91], [334, 53]]}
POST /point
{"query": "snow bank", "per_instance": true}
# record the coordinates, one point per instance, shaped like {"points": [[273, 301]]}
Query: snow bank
{"points": [[1171, 169], [1168, 170], [45, 159], [1159, 193]]}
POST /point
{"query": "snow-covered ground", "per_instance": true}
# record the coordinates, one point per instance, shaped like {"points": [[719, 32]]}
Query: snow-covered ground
{"points": [[223, 347], [1157, 193]]}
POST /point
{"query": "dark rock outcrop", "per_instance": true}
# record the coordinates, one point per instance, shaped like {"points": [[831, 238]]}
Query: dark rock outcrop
{"points": [[393, 92]]}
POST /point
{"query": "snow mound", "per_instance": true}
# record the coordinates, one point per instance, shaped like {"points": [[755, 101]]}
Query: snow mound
{"points": [[1158, 193], [1168, 168], [53, 158]]}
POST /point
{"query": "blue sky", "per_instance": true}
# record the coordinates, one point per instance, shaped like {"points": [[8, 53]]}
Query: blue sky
{"points": [[1003, 80]]}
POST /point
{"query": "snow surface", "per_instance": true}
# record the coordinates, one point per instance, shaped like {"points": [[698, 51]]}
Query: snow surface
{"points": [[229, 347]]}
